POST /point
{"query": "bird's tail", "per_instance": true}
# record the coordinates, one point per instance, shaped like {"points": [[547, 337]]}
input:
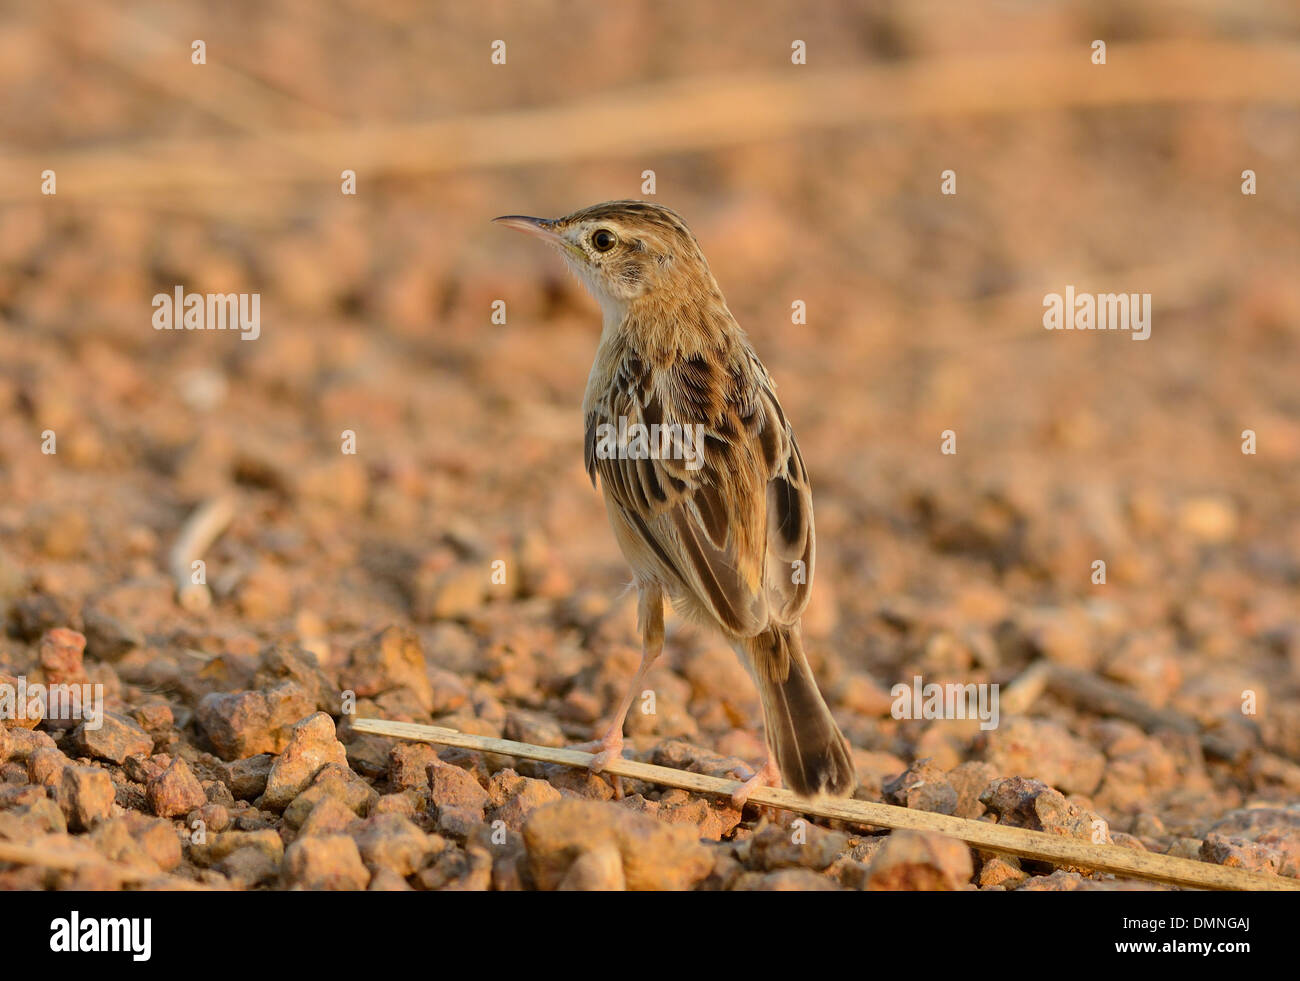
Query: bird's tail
{"points": [[808, 747]]}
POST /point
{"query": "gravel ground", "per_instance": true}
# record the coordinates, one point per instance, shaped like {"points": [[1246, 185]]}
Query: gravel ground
{"points": [[370, 583]]}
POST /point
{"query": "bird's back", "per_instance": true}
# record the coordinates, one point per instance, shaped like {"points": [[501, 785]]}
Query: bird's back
{"points": [[724, 520]]}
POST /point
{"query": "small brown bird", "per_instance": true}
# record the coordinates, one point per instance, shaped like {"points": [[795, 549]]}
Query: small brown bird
{"points": [[702, 478]]}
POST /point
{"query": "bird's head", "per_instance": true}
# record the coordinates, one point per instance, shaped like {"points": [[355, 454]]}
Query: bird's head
{"points": [[625, 252]]}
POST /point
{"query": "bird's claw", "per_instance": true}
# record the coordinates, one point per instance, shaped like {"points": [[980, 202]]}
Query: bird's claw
{"points": [[766, 776]]}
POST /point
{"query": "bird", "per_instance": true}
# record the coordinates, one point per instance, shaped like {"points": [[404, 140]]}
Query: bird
{"points": [[702, 479]]}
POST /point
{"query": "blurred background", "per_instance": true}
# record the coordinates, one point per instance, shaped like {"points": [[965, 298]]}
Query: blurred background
{"points": [[816, 182]]}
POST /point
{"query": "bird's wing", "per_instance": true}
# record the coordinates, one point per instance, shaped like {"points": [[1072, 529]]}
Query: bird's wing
{"points": [[728, 515], [791, 536]]}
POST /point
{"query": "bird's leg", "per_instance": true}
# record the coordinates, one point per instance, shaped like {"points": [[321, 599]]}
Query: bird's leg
{"points": [[650, 613], [766, 776]]}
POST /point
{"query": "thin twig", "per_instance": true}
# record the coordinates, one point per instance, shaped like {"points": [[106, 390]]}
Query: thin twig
{"points": [[688, 115], [992, 837], [1017, 697], [196, 537]]}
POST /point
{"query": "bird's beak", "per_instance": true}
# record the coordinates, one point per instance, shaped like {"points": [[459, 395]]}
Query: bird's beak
{"points": [[542, 228]]}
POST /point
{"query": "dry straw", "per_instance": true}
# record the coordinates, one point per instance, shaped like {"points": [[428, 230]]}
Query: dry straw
{"points": [[991, 837], [197, 535], [678, 116]]}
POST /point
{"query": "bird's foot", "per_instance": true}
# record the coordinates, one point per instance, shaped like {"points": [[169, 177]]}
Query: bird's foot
{"points": [[766, 776], [609, 747]]}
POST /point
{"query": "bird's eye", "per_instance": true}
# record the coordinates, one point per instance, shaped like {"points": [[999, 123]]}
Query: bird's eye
{"points": [[602, 240]]}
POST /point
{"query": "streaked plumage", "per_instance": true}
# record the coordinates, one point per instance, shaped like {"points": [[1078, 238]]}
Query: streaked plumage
{"points": [[723, 540]]}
